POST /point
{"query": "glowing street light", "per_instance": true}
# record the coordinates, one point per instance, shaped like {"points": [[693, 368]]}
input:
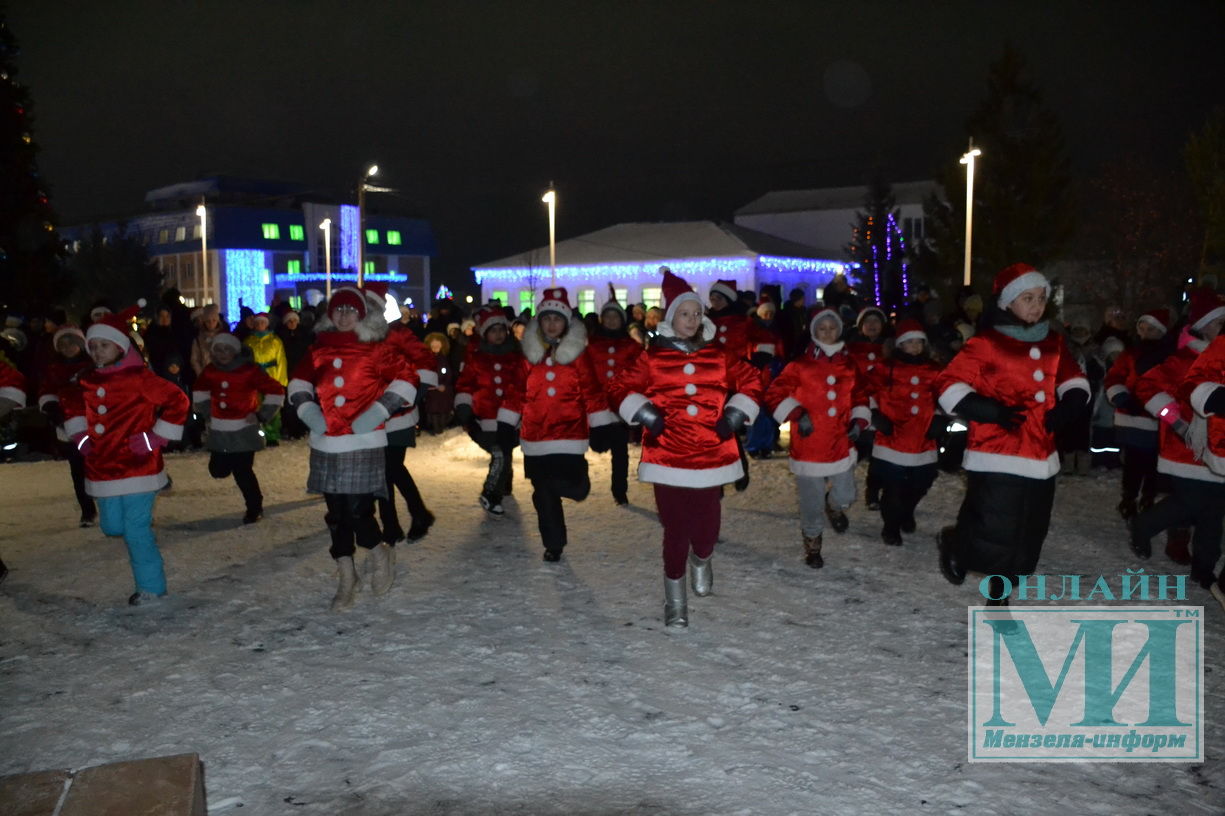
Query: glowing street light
{"points": [[326, 226], [968, 161], [550, 198], [361, 223], [203, 215]]}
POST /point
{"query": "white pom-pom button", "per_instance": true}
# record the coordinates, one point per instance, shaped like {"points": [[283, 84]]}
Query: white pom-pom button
{"points": [[871, 355], [914, 380], [499, 379], [831, 395], [551, 375], [831, 379], [101, 392], [722, 339], [688, 369], [497, 366], [101, 409], [1040, 396], [498, 391], [99, 428], [338, 381], [692, 410], [914, 409], [612, 350], [221, 404], [914, 394], [339, 401], [552, 392], [1039, 376], [833, 411], [691, 389], [612, 363], [225, 383], [608, 374], [1035, 353], [549, 361], [337, 363]]}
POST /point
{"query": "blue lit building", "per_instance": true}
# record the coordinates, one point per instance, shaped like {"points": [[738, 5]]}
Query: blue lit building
{"points": [[264, 244], [629, 256]]}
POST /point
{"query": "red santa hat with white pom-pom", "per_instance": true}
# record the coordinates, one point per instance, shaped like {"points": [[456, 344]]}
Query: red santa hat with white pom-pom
{"points": [[910, 330], [727, 288], [675, 292], [115, 327], [1157, 318], [1205, 307], [557, 301], [1013, 280], [488, 316]]}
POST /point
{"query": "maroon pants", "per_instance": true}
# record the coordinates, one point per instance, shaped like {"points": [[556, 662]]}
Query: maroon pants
{"points": [[690, 517]]}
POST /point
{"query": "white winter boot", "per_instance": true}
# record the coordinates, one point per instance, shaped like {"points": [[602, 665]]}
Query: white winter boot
{"points": [[676, 607], [346, 590], [381, 572], [701, 575]]}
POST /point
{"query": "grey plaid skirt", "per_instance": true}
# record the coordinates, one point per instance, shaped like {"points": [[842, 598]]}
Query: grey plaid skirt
{"points": [[359, 471]]}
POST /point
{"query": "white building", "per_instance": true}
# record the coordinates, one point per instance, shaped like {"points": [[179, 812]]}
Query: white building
{"points": [[628, 256], [826, 217]]}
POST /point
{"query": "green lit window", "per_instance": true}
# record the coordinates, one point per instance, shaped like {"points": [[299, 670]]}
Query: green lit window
{"points": [[293, 267], [372, 236], [393, 237], [297, 232], [295, 301], [586, 301], [369, 267], [650, 296], [622, 293], [500, 297], [272, 232], [525, 300]]}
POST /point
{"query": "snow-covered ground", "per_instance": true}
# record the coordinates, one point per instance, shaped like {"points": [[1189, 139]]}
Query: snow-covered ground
{"points": [[488, 682]]}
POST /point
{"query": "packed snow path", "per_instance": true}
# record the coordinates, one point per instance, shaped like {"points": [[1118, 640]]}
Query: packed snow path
{"points": [[489, 682]]}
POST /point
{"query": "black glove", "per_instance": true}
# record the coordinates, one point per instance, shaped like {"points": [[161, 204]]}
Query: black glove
{"points": [[761, 359], [977, 408], [938, 426], [600, 438], [881, 422], [1126, 401], [854, 429], [1066, 411], [507, 436], [53, 412], [730, 423], [463, 414], [803, 423], [1215, 404], [650, 418]]}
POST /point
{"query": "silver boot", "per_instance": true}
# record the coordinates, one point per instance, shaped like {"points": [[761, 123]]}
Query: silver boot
{"points": [[676, 607], [701, 575], [381, 572], [346, 591]]}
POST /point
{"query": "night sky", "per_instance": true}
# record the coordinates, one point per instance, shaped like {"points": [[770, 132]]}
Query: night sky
{"points": [[637, 110]]}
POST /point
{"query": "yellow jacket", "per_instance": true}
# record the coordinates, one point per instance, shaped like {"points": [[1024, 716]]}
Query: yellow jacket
{"points": [[269, 354]]}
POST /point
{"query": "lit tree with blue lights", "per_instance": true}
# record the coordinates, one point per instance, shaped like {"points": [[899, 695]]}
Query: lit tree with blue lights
{"points": [[878, 247]]}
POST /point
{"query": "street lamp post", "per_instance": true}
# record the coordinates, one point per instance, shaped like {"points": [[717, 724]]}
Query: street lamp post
{"points": [[326, 226], [968, 160], [203, 214], [550, 198], [361, 224]]}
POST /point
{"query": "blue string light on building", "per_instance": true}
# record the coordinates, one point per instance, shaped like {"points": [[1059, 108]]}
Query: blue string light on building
{"points": [[245, 275]]}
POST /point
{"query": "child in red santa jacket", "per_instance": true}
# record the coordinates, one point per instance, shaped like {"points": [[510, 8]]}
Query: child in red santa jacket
{"points": [[12, 397], [1017, 383], [492, 374], [1184, 395], [344, 389], [867, 346], [561, 403], [906, 418], [120, 415], [691, 398], [69, 362], [823, 394], [238, 396], [610, 350]]}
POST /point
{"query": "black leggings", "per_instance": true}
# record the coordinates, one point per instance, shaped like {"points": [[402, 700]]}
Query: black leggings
{"points": [[242, 467], [555, 477], [76, 465], [350, 518], [398, 479]]}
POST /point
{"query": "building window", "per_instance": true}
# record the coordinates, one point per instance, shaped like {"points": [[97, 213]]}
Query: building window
{"points": [[272, 232], [163, 236], [586, 301], [650, 296], [180, 233], [295, 301], [372, 236], [622, 294], [293, 267], [369, 267], [500, 296], [297, 232], [525, 300], [393, 237], [195, 232]]}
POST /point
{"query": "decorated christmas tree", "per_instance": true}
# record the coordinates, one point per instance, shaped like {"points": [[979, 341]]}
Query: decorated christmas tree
{"points": [[878, 246]]}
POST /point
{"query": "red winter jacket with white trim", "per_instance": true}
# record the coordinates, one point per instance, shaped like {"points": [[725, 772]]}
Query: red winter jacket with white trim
{"points": [[58, 373], [488, 380], [1159, 389], [834, 392], [691, 389], [732, 331], [1032, 376], [1121, 379], [561, 397], [866, 354], [235, 396], [422, 360], [110, 406], [610, 355], [765, 339], [12, 387], [1204, 378], [348, 372], [904, 390]]}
